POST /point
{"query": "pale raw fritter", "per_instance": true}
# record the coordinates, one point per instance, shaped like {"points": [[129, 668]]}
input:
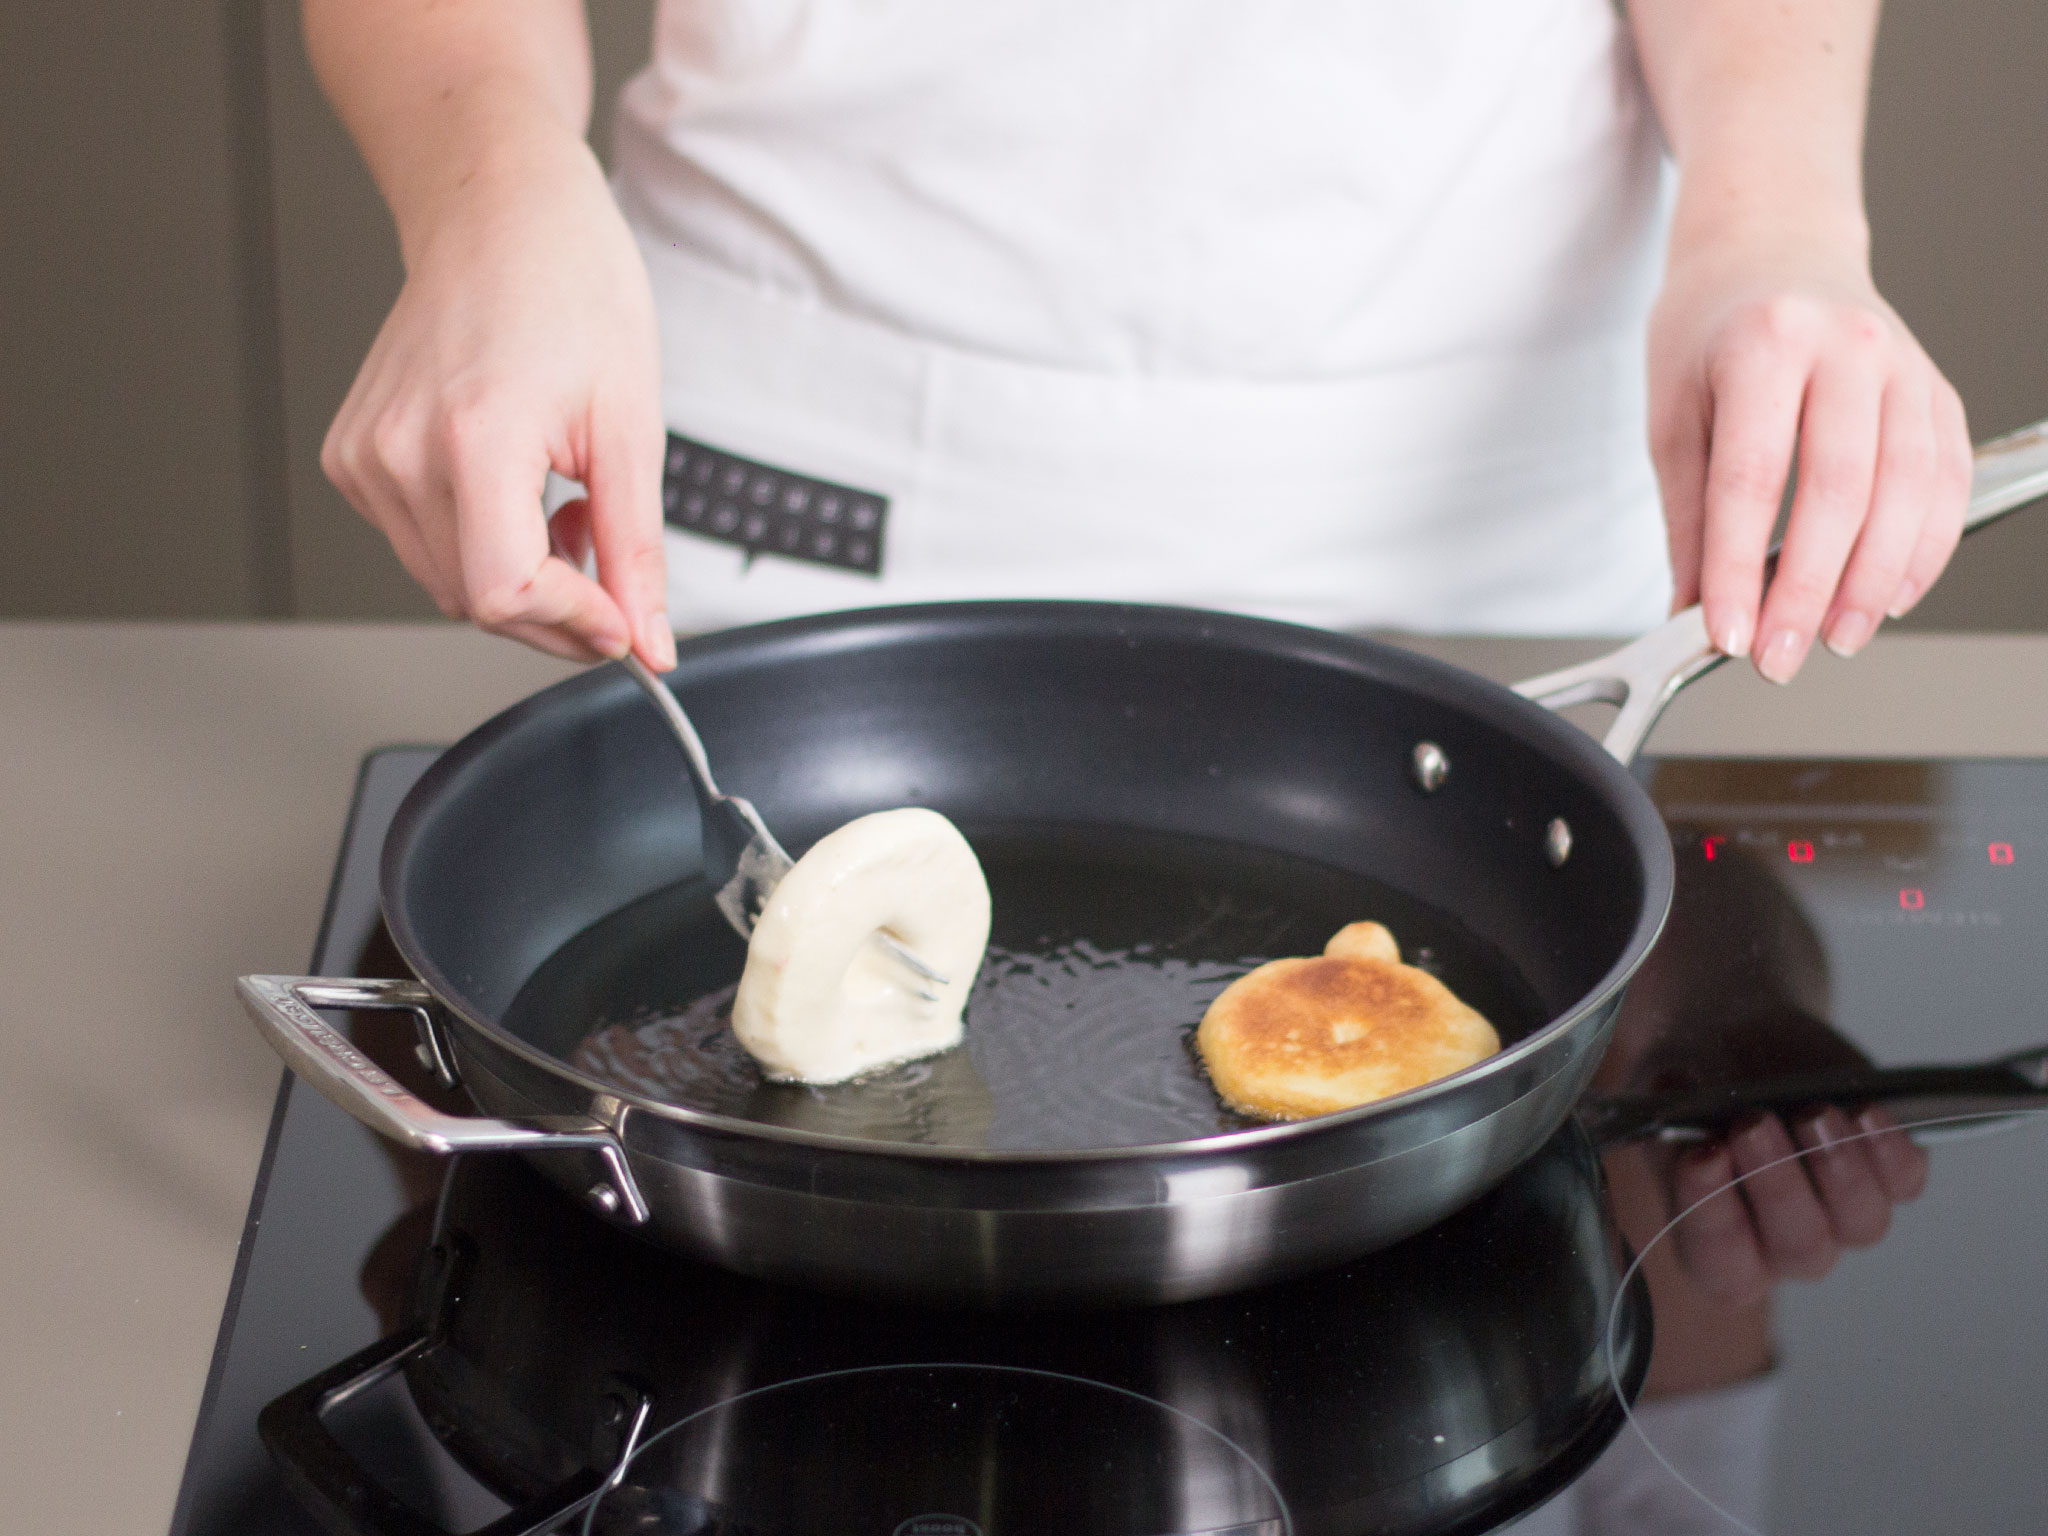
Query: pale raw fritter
{"points": [[1307, 1036], [820, 1001]]}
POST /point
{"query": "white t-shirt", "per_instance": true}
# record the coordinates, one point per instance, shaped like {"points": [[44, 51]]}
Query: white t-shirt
{"points": [[1329, 309]]}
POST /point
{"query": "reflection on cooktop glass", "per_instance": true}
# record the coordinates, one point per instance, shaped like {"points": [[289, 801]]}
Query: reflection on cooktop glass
{"points": [[1923, 888], [1831, 914], [1460, 1375]]}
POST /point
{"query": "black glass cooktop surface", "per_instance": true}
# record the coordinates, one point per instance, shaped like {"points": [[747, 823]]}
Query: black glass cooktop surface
{"points": [[1827, 913]]}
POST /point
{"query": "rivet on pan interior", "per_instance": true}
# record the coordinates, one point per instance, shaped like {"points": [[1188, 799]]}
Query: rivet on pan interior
{"points": [[1430, 766], [604, 1197], [1557, 842]]}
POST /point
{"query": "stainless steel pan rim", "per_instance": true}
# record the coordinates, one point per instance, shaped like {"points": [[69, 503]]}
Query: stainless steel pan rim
{"points": [[710, 655]]}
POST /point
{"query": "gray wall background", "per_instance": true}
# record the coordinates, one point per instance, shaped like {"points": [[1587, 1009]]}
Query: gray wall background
{"points": [[194, 262]]}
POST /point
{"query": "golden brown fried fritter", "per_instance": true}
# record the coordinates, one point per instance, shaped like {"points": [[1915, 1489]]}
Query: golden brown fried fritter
{"points": [[1306, 1036]]}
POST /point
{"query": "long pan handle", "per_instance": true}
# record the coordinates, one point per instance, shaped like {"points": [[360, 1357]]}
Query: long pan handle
{"points": [[322, 1056], [1645, 675], [2015, 1084]]}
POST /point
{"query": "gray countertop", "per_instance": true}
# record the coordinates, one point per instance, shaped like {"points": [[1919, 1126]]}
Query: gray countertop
{"points": [[171, 800]]}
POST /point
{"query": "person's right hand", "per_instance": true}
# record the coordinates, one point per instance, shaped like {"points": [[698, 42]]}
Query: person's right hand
{"points": [[524, 340]]}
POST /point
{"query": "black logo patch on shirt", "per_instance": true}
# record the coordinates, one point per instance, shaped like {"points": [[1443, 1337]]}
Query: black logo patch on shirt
{"points": [[768, 511]]}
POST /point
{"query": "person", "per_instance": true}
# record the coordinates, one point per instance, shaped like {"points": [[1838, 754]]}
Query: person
{"points": [[1361, 313], [1353, 313]]}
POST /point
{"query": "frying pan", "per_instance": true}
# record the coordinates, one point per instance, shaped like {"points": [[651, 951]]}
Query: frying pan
{"points": [[561, 818]]}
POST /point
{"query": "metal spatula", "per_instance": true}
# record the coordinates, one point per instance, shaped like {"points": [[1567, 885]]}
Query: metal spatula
{"points": [[741, 856]]}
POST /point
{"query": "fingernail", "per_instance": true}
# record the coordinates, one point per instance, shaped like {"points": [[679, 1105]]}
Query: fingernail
{"points": [[1875, 1122], [1734, 637], [659, 641], [1823, 1129], [1850, 634], [1781, 656], [1902, 603]]}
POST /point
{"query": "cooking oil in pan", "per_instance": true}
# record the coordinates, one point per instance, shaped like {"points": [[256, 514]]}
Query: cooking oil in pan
{"points": [[1107, 947]]}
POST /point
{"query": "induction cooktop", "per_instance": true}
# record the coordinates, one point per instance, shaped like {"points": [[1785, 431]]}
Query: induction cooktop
{"points": [[490, 1354]]}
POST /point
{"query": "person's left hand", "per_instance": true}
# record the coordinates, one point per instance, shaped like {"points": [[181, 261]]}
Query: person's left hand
{"points": [[1760, 346], [1791, 1216]]}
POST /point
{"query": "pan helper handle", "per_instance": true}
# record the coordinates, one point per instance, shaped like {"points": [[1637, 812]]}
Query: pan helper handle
{"points": [[1647, 673], [283, 1008]]}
